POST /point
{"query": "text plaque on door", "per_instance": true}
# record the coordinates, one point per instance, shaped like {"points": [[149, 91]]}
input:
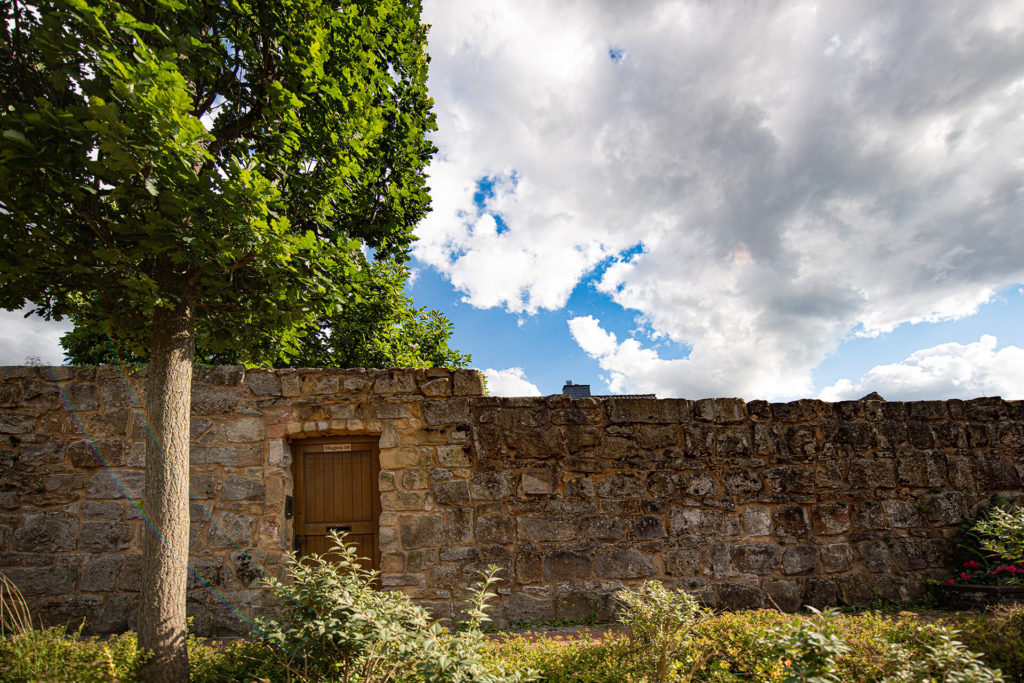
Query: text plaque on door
{"points": [[337, 447]]}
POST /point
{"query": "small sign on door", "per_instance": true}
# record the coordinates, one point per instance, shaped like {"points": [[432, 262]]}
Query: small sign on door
{"points": [[337, 447]]}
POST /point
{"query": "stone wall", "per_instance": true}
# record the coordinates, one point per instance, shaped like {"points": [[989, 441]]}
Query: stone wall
{"points": [[744, 503]]}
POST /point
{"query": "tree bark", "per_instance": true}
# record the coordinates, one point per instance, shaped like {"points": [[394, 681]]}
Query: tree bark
{"points": [[162, 626]]}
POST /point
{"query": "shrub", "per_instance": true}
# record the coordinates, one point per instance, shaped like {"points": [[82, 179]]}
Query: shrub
{"points": [[1002, 534], [661, 621], [334, 625], [810, 648]]}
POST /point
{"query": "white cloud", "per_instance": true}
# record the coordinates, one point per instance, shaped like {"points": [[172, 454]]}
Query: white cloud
{"points": [[509, 382], [945, 371], [23, 339], [794, 173]]}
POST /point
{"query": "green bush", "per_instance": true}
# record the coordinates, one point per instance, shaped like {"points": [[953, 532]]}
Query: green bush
{"points": [[54, 655], [1002, 534], [333, 625], [660, 621]]}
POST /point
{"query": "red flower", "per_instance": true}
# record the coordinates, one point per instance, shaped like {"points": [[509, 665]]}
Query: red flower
{"points": [[964, 576]]}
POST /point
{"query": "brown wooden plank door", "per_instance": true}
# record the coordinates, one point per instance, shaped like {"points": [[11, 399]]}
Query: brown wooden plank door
{"points": [[336, 488]]}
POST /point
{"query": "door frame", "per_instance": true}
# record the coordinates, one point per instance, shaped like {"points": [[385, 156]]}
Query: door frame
{"points": [[299, 489]]}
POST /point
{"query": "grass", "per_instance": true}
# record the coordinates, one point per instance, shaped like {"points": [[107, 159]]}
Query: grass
{"points": [[728, 647]]}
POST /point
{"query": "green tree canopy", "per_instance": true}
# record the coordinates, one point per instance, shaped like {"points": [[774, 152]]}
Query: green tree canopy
{"points": [[195, 170], [379, 328]]}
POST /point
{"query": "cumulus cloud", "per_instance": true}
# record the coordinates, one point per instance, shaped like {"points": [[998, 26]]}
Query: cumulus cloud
{"points": [[509, 382], [944, 371], [793, 174], [25, 339]]}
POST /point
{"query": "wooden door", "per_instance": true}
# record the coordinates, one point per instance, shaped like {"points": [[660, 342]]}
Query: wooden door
{"points": [[336, 488]]}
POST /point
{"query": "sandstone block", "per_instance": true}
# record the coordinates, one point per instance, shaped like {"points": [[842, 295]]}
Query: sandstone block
{"points": [[418, 531], [785, 593], [623, 564], [109, 511], [400, 458], [243, 429], [65, 482], [452, 492], [229, 456], [646, 528], [407, 500], [537, 481], [733, 595], [389, 382], [453, 456]]}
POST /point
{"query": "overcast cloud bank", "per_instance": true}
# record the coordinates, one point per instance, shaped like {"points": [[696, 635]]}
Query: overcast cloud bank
{"points": [[756, 182]]}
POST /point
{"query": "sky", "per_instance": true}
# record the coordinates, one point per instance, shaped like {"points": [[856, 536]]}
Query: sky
{"points": [[764, 200]]}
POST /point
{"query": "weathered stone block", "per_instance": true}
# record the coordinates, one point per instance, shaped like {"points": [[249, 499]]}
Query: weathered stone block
{"points": [[791, 520], [837, 557], [565, 565], [418, 531], [620, 486], [229, 456], [115, 484], [65, 482], [720, 410], [703, 522], [407, 500], [872, 474], [943, 509], [755, 558], [786, 594], [799, 559], [830, 518], [537, 481], [459, 526], [454, 410], [243, 488], [757, 521], [491, 485], [646, 528], [498, 529], [741, 481], [230, 529], [451, 492], [875, 555], [46, 532], [105, 537], [547, 529], [902, 514], [11, 423], [44, 580], [520, 607], [100, 575], [109, 511], [207, 400], [738, 596], [681, 562], [263, 383], [243, 430], [623, 564]]}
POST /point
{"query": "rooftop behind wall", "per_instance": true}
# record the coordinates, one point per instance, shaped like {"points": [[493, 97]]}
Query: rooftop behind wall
{"points": [[803, 502]]}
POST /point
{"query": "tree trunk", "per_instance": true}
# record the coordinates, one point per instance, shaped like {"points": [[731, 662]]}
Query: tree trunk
{"points": [[162, 627]]}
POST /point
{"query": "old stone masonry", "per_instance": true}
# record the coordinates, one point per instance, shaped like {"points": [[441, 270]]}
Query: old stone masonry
{"points": [[744, 503]]}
